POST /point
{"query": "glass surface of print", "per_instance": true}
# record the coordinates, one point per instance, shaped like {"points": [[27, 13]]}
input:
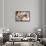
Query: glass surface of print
{"points": [[23, 16]]}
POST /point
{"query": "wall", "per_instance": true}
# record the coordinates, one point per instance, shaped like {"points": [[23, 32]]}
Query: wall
{"points": [[1, 15], [34, 6], [44, 17]]}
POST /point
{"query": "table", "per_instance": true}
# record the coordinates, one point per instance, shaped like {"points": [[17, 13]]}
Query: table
{"points": [[24, 43], [21, 39]]}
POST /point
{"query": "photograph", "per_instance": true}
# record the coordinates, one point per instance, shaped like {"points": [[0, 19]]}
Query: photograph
{"points": [[22, 16]]}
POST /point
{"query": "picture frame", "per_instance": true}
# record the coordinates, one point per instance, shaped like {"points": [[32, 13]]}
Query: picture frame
{"points": [[22, 16]]}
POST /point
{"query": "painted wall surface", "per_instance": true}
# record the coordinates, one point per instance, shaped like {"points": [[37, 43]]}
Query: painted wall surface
{"points": [[44, 17], [35, 8], [1, 15]]}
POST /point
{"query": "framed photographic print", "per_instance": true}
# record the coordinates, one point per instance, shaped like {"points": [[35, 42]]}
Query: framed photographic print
{"points": [[23, 16]]}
